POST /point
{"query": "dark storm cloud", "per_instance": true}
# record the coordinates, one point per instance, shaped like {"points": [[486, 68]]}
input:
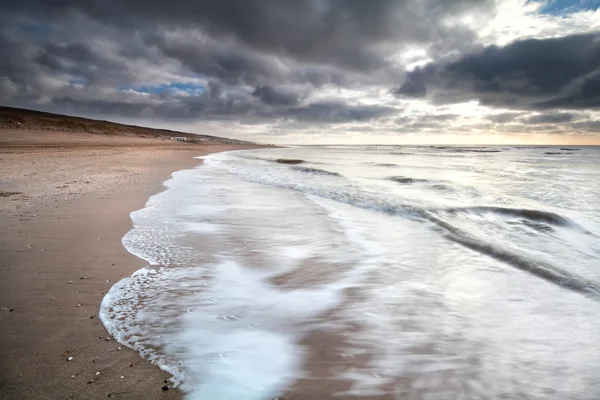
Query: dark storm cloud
{"points": [[589, 125], [340, 32], [227, 62], [262, 61], [336, 112], [261, 58], [585, 95], [550, 73], [276, 96], [549, 118]]}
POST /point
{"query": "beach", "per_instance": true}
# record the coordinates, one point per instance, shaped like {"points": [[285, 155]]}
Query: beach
{"points": [[65, 204], [371, 272]]}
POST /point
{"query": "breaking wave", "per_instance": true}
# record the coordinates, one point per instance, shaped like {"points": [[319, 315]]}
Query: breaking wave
{"points": [[315, 171]]}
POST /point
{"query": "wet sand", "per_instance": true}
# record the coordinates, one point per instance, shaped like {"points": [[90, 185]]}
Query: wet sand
{"points": [[65, 201]]}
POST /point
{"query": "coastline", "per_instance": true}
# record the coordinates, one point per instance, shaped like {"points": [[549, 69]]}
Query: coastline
{"points": [[64, 210]]}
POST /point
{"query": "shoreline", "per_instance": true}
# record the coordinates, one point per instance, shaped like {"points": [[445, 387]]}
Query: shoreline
{"points": [[65, 210]]}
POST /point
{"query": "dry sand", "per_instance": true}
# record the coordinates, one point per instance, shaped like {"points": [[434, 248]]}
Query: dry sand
{"points": [[65, 201]]}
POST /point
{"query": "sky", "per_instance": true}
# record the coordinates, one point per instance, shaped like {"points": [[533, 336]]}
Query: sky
{"points": [[313, 71]]}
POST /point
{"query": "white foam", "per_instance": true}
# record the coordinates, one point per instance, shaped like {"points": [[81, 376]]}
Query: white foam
{"points": [[219, 326], [202, 227], [444, 320]]}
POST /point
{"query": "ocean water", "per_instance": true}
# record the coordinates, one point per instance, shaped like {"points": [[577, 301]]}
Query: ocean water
{"points": [[356, 271]]}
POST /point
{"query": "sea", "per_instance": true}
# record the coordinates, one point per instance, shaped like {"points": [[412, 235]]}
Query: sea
{"points": [[388, 272]]}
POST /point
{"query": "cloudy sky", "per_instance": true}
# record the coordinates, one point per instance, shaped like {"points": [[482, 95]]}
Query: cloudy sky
{"points": [[313, 71]]}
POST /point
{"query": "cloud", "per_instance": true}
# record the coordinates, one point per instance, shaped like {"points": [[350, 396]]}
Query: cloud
{"points": [[277, 65], [591, 125], [336, 112], [549, 118], [279, 96], [504, 117], [549, 73], [339, 32]]}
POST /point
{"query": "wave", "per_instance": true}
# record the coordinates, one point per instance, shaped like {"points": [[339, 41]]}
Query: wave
{"points": [[532, 215], [567, 149], [381, 164], [443, 188], [551, 153], [453, 149], [476, 151], [355, 196], [289, 161], [538, 226], [402, 179], [538, 268], [315, 171]]}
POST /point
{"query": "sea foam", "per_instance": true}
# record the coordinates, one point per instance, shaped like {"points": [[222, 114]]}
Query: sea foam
{"points": [[248, 258]]}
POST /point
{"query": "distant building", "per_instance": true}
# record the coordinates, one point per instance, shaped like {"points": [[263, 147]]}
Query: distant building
{"points": [[180, 138]]}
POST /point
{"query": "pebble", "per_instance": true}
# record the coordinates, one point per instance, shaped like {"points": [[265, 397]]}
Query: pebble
{"points": [[165, 388], [69, 282], [97, 373], [70, 358], [122, 377]]}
